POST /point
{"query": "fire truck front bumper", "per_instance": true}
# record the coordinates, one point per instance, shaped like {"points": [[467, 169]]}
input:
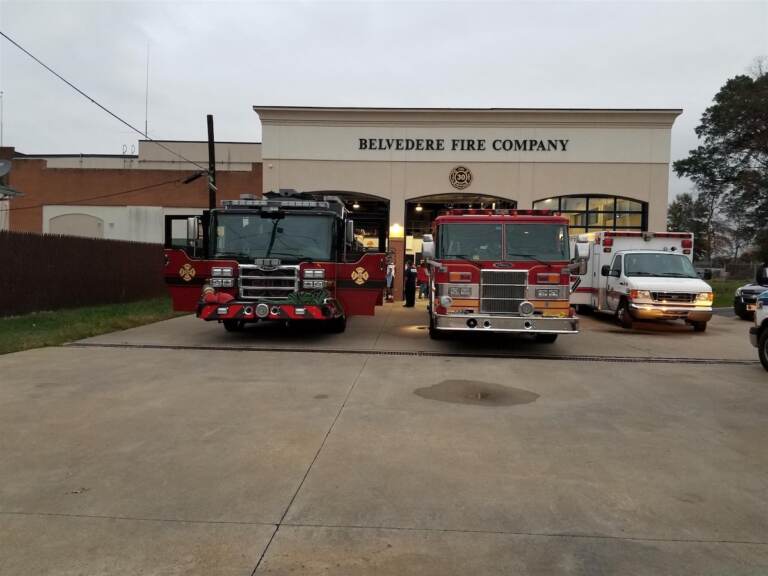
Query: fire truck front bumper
{"points": [[487, 323], [253, 312]]}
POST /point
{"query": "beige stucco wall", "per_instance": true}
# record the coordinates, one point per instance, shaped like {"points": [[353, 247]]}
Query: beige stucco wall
{"points": [[612, 152]]}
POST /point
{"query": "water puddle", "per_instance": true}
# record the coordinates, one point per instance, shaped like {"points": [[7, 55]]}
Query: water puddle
{"points": [[476, 393]]}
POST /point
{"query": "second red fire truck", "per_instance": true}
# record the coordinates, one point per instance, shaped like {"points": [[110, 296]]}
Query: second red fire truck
{"points": [[500, 271]]}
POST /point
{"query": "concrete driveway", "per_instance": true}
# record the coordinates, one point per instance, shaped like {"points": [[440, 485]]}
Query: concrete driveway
{"points": [[159, 450]]}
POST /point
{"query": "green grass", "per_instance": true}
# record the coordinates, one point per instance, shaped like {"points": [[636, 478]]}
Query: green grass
{"points": [[53, 328], [724, 290]]}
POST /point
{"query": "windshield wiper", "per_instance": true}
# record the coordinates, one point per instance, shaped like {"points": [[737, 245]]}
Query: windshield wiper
{"points": [[272, 237], [465, 258], [531, 256], [640, 274], [676, 275]]}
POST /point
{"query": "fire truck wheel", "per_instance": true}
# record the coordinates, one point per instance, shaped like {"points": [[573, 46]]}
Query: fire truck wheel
{"points": [[623, 316], [337, 325], [699, 326], [545, 338], [434, 333], [234, 325]]}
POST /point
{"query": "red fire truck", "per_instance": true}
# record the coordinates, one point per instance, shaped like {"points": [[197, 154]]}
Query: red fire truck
{"points": [[286, 257], [500, 271]]}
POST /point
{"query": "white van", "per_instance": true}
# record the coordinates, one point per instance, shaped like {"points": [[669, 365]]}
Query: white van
{"points": [[641, 276]]}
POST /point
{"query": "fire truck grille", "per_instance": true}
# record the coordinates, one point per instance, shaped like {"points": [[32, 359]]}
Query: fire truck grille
{"points": [[676, 297], [502, 291], [505, 292], [259, 284]]}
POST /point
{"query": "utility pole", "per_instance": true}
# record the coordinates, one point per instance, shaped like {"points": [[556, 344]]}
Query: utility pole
{"points": [[211, 165]]}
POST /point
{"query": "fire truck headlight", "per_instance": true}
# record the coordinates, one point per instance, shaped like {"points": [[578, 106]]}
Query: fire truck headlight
{"points": [[218, 272], [313, 284], [227, 282], [314, 273], [460, 291], [216, 282], [548, 293], [446, 301]]}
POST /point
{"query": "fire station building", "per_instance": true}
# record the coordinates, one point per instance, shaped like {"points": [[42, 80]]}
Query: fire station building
{"points": [[604, 169]]}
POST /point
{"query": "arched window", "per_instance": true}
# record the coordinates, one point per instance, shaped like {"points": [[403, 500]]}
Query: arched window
{"points": [[592, 213]]}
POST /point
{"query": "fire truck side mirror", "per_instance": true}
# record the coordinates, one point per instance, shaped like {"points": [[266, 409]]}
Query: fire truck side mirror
{"points": [[605, 270], [193, 230], [349, 232], [428, 246], [581, 251]]}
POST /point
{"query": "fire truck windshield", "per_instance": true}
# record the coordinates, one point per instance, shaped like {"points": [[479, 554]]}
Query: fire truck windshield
{"points": [[291, 238], [543, 242]]}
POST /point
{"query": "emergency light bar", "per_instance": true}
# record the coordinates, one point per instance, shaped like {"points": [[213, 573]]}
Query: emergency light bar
{"points": [[498, 212], [245, 203]]}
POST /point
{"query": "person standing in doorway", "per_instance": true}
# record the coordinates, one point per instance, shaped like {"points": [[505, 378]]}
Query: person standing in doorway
{"points": [[423, 279], [410, 284], [390, 280]]}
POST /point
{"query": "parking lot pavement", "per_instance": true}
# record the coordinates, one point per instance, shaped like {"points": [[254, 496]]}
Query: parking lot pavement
{"points": [[395, 328], [201, 461]]}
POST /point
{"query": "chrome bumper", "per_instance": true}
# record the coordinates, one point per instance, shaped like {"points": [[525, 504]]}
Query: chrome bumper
{"points": [[659, 312], [488, 323]]}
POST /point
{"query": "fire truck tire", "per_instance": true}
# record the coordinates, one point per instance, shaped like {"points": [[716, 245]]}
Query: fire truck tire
{"points": [[234, 325], [434, 333], [545, 338], [623, 316], [699, 326], [337, 325]]}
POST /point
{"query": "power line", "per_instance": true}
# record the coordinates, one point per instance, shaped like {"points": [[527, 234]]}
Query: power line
{"points": [[107, 110], [110, 195]]}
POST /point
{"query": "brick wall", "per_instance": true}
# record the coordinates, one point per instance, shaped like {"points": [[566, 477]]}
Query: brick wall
{"points": [[44, 186]]}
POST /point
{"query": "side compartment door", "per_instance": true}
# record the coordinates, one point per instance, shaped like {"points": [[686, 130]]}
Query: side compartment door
{"points": [[614, 284]]}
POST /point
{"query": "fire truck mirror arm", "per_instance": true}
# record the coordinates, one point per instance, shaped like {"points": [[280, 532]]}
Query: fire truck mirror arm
{"points": [[577, 267]]}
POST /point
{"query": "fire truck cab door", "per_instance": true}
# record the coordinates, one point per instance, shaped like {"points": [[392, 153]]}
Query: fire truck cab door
{"points": [[360, 284], [185, 232], [615, 284]]}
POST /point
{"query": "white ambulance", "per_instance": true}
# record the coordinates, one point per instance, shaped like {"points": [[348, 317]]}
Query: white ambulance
{"points": [[641, 276]]}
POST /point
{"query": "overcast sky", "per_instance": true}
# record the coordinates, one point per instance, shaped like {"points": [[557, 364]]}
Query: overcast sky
{"points": [[222, 58]]}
